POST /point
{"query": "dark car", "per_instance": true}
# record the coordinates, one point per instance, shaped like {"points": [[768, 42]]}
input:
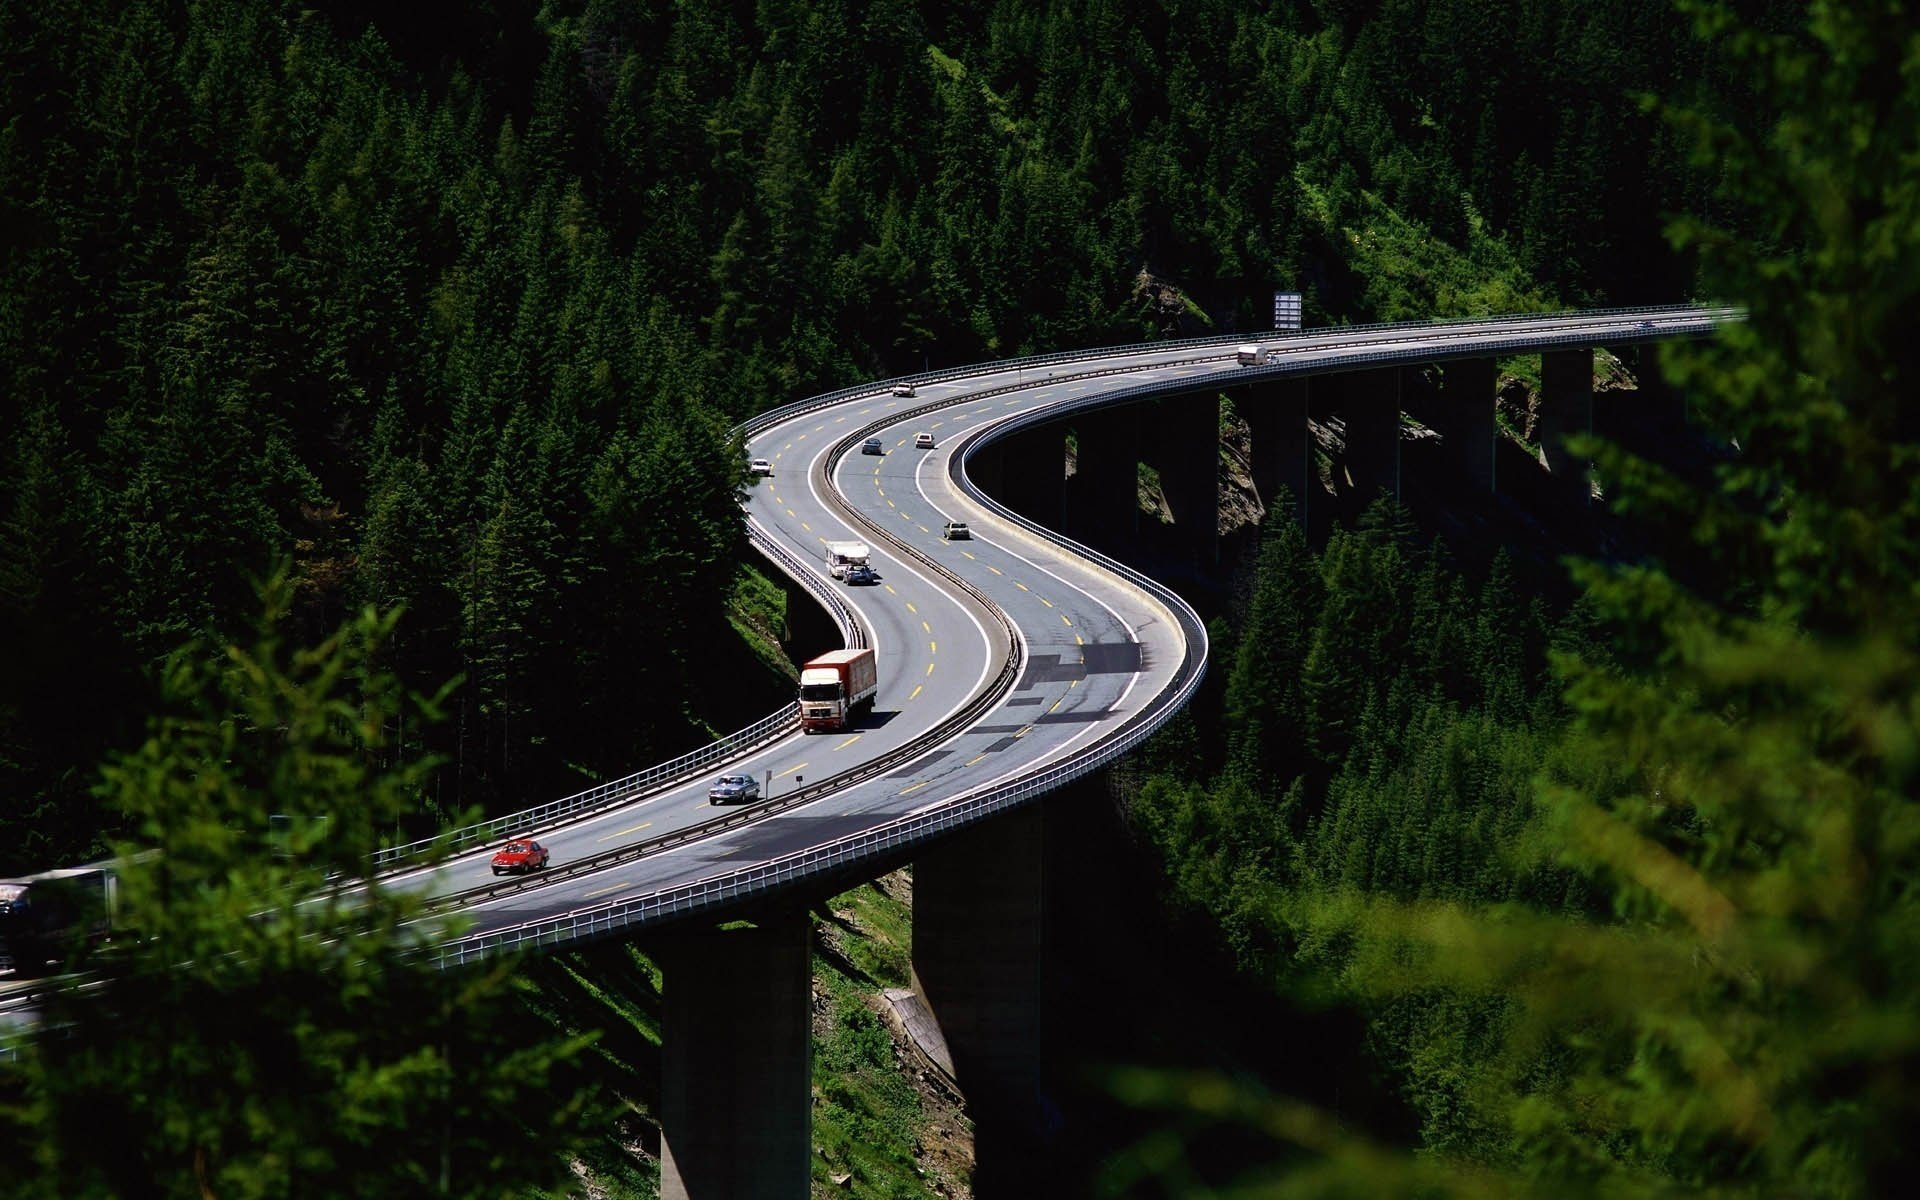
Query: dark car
{"points": [[862, 573], [871, 446], [733, 789], [524, 854]]}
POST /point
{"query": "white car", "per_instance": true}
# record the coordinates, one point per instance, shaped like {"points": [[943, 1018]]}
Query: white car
{"points": [[904, 390], [923, 441], [759, 466]]}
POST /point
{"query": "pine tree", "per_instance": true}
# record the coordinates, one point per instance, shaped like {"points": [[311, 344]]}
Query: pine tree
{"points": [[266, 1022]]}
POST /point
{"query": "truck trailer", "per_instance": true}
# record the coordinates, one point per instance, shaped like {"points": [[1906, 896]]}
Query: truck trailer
{"points": [[45, 918], [834, 686]]}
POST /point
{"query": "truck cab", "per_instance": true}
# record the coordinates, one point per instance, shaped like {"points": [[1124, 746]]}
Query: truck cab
{"points": [[834, 686]]}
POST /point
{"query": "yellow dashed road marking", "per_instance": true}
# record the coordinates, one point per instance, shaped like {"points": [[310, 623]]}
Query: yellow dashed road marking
{"points": [[1023, 587], [850, 741], [926, 627], [915, 693], [929, 668], [1044, 600], [790, 770], [889, 588], [603, 891], [911, 608], [933, 647], [625, 832], [976, 758], [996, 570], [916, 787], [1066, 620]]}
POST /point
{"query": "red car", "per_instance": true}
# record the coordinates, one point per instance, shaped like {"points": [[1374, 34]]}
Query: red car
{"points": [[522, 855]]}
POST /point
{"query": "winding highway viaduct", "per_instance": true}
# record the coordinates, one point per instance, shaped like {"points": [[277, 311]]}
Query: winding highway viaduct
{"points": [[1010, 665]]}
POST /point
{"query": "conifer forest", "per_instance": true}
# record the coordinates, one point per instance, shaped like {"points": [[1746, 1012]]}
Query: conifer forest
{"points": [[369, 379]]}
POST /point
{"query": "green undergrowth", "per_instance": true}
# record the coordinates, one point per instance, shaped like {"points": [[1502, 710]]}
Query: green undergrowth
{"points": [[874, 1134], [757, 610], [613, 991]]}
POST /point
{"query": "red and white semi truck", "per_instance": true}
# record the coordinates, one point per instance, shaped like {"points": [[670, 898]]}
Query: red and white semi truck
{"points": [[834, 685]]}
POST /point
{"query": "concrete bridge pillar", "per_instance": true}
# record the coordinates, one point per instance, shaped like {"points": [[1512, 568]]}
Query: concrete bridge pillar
{"points": [[978, 925], [1033, 474], [1186, 452], [1566, 407], [1370, 409], [736, 1102], [1465, 415], [1652, 417], [1103, 498], [1276, 415]]}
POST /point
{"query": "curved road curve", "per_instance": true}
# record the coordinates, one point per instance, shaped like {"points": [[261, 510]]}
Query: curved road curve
{"points": [[1098, 656]]}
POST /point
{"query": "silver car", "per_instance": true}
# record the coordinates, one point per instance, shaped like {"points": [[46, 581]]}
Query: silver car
{"points": [[733, 789]]}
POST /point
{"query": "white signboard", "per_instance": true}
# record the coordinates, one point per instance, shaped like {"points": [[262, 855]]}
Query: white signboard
{"points": [[1286, 310]]}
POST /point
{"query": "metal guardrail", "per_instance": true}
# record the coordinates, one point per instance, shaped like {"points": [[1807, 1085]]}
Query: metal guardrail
{"points": [[975, 707], [774, 725], [596, 798], [775, 416], [732, 886], [890, 836]]}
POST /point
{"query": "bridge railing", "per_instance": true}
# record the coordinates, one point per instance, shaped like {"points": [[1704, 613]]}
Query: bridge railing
{"points": [[892, 836], [776, 724], [775, 416], [888, 838]]}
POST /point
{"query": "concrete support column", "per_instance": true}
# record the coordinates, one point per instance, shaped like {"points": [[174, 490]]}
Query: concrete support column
{"points": [[1566, 407], [1276, 415], [978, 927], [1465, 418], [1103, 498], [1370, 409], [736, 1102], [1034, 474], [1186, 452], [1648, 419]]}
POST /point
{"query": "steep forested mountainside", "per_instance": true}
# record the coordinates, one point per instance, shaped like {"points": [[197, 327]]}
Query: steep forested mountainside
{"points": [[451, 303]]}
